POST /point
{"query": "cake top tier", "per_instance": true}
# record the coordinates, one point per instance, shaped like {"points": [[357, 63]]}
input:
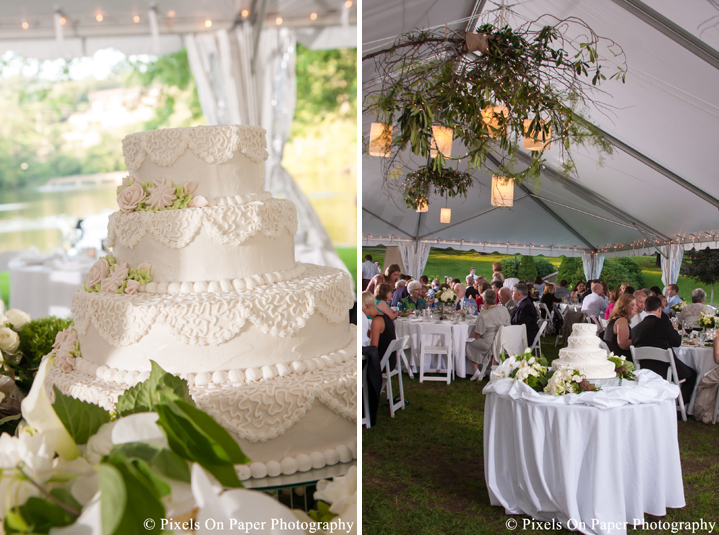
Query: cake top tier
{"points": [[224, 160], [584, 330]]}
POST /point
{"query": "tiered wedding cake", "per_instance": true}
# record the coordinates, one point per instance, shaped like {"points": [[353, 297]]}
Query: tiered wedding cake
{"points": [[584, 353], [203, 281]]}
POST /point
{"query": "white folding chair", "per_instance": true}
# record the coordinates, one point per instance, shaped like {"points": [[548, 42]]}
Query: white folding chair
{"points": [[662, 355], [398, 345], [511, 339], [604, 346], [428, 347], [537, 344], [365, 394]]}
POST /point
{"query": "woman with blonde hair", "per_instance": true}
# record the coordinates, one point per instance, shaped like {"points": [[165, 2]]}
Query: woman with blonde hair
{"points": [[497, 272], [391, 276], [618, 334]]}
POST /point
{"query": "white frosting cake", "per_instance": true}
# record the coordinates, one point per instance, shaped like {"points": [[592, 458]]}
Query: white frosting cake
{"points": [[584, 353], [264, 342]]}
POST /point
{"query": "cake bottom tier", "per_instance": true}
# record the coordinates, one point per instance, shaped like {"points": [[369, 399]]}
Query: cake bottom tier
{"points": [[284, 424], [593, 365]]}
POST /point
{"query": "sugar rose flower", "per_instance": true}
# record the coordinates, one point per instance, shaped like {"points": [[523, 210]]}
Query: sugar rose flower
{"points": [[9, 340], [198, 202], [144, 265], [98, 271], [65, 340], [65, 361], [130, 197], [132, 287], [17, 317], [162, 195], [114, 280]]}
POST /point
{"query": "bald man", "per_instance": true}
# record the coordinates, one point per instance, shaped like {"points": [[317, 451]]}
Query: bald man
{"points": [[505, 299], [595, 303]]}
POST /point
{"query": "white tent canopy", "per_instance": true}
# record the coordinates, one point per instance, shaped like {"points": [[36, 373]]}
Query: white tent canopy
{"points": [[659, 187]]}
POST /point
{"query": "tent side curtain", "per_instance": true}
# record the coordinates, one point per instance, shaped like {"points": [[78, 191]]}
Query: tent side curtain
{"points": [[671, 263], [238, 84], [414, 256], [593, 264]]}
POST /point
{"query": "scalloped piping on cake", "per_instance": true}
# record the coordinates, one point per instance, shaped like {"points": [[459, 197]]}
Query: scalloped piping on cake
{"points": [[230, 224], [238, 200], [220, 377], [226, 285], [300, 463], [212, 144]]}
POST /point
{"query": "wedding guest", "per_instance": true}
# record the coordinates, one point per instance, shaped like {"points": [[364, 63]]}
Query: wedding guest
{"points": [[595, 303], [479, 300], [414, 300], [497, 272], [497, 285], [489, 321], [525, 312], [655, 330], [370, 356], [656, 291], [562, 291], [382, 333], [391, 276], [672, 298], [706, 394], [369, 270], [461, 291], [615, 294], [539, 285], [400, 292], [578, 290], [691, 313], [434, 288], [472, 273], [641, 297], [383, 295], [424, 279], [548, 297], [505, 299], [472, 292], [618, 335]]}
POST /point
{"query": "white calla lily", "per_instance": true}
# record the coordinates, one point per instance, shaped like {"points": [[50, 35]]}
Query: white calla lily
{"points": [[40, 415], [342, 494]]}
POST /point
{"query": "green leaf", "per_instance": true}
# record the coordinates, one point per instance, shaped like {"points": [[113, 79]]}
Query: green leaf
{"points": [[37, 515], [80, 418], [196, 436], [144, 396], [10, 418], [113, 497], [66, 497], [167, 462]]}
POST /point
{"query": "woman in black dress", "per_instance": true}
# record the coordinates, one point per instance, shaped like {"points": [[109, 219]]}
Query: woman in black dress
{"points": [[618, 334]]}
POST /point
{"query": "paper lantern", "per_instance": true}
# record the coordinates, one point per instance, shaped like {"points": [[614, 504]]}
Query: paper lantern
{"points": [[380, 140], [542, 142], [502, 191], [490, 116], [445, 216], [422, 206], [442, 141]]}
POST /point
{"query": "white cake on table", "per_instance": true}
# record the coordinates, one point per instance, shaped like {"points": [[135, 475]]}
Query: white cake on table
{"points": [[585, 354], [264, 342]]}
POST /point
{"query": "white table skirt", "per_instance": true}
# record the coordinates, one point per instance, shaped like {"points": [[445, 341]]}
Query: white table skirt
{"points": [[699, 359], [582, 465], [45, 290], [460, 333]]}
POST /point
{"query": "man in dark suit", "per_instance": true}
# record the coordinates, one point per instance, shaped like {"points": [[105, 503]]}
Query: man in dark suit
{"points": [[655, 330], [525, 313]]}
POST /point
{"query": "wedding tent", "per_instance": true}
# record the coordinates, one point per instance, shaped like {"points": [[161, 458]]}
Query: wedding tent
{"points": [[657, 192], [241, 53]]}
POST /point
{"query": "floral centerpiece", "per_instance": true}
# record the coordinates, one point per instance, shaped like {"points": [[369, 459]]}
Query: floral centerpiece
{"points": [[446, 297], [622, 367], [677, 307], [708, 321]]}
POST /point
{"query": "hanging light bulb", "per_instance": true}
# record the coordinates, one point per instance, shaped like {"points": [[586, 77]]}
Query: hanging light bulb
{"points": [[441, 141], [422, 207], [445, 215], [380, 140], [502, 191]]}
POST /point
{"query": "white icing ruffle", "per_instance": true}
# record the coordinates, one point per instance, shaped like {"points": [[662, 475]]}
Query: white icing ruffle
{"points": [[225, 285], [280, 309], [242, 199], [231, 225], [213, 144], [220, 377], [257, 411]]}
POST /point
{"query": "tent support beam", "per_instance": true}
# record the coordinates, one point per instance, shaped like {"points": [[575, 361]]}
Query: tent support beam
{"points": [[387, 222], [476, 12], [634, 153], [590, 195], [547, 209], [672, 30], [257, 24], [463, 221]]}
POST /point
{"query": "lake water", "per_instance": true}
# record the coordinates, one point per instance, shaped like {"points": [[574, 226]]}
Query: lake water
{"points": [[42, 217]]}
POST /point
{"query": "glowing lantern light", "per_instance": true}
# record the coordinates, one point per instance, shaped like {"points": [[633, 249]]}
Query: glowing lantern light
{"points": [[542, 142], [491, 117], [502, 191], [441, 141], [380, 140]]}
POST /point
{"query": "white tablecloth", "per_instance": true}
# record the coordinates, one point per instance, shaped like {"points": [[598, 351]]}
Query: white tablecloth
{"points": [[460, 333], [699, 359], [573, 460], [45, 289]]}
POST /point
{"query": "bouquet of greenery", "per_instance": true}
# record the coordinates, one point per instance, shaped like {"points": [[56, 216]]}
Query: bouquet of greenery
{"points": [[530, 370], [567, 380], [622, 367], [708, 321]]}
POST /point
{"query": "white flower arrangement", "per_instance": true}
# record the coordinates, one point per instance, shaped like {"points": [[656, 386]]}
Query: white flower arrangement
{"points": [[708, 321], [447, 297], [677, 307], [564, 380]]}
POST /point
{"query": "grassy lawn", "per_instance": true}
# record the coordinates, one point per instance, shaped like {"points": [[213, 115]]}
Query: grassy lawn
{"points": [[457, 263], [348, 255], [423, 471], [5, 287]]}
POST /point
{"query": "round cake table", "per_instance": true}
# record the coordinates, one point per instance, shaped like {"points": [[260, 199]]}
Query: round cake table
{"points": [[594, 462]]}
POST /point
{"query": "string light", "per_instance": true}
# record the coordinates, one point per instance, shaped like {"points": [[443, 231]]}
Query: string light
{"points": [[25, 25], [208, 23], [63, 20], [99, 17], [348, 3], [313, 16], [245, 13], [278, 21], [171, 13], [136, 19]]}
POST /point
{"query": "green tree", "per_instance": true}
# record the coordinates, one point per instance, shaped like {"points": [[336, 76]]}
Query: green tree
{"points": [[636, 278], [572, 270], [544, 267], [702, 266], [527, 269]]}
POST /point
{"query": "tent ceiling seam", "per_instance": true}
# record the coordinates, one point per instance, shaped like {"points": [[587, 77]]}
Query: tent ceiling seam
{"points": [[387, 222]]}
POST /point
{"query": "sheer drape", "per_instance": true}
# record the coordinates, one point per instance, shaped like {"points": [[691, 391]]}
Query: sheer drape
{"points": [[671, 262], [414, 256], [593, 264], [234, 87]]}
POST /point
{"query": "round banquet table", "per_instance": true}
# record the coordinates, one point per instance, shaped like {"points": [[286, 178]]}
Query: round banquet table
{"points": [[594, 462], [45, 287], [460, 332], [698, 358]]}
